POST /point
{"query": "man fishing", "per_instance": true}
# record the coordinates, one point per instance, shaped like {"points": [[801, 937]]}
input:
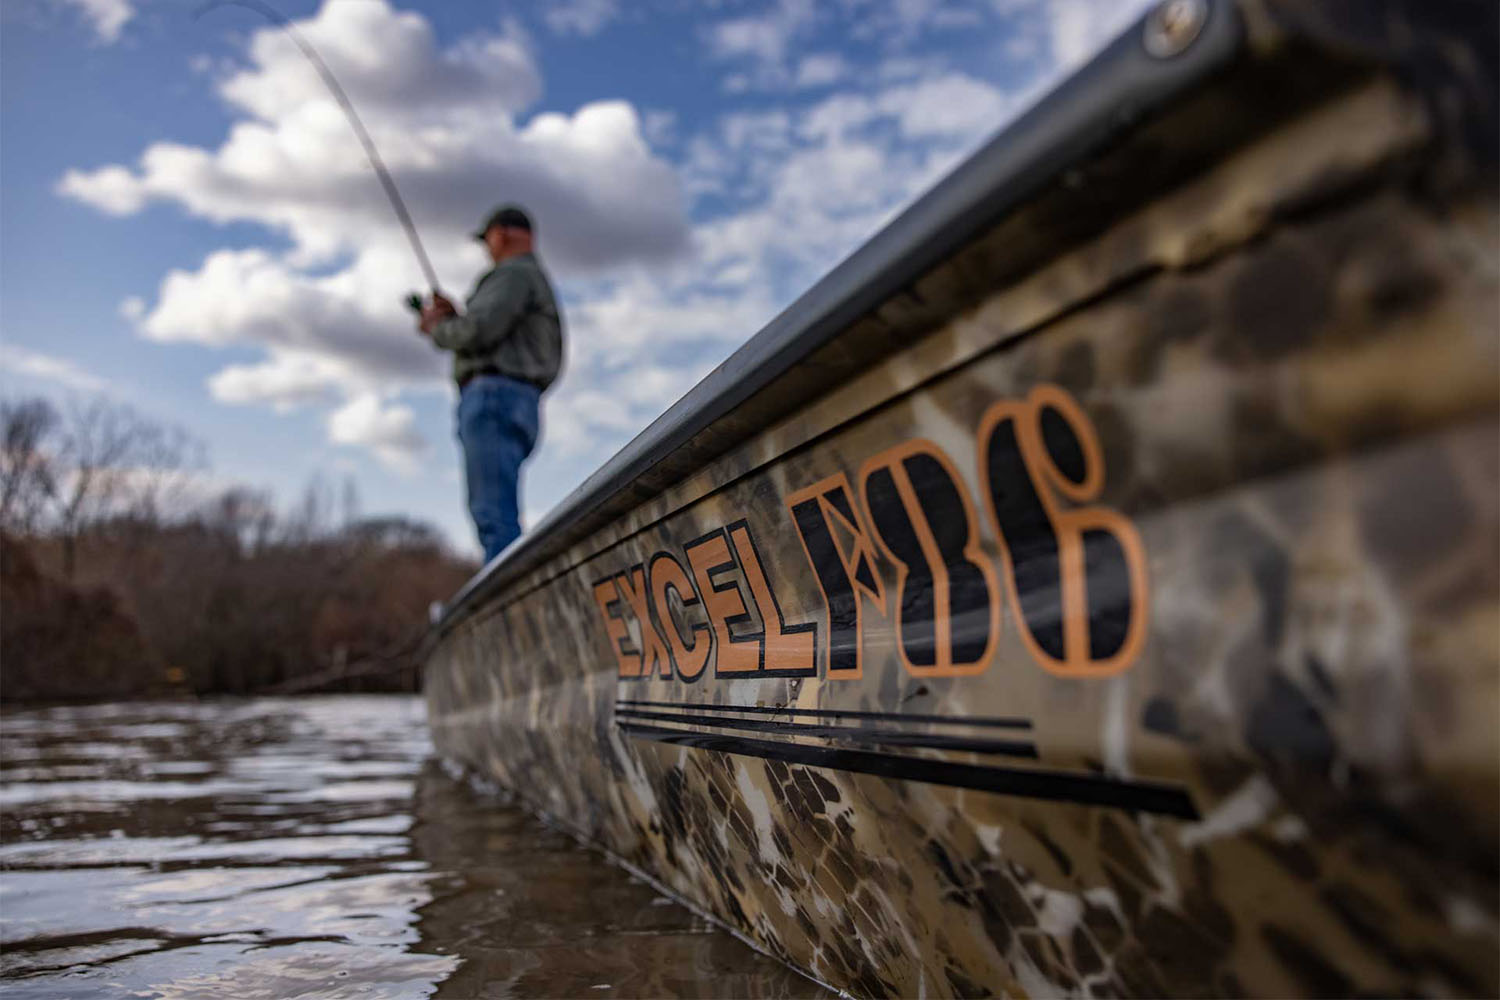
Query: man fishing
{"points": [[507, 349]]}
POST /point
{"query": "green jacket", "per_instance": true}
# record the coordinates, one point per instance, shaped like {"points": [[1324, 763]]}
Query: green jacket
{"points": [[510, 322]]}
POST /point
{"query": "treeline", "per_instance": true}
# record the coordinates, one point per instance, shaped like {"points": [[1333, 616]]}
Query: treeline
{"points": [[122, 574]]}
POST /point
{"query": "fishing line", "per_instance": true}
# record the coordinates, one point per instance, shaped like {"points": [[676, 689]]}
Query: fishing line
{"points": [[371, 153]]}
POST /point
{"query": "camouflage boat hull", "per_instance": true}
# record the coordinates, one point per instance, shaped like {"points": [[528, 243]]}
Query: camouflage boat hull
{"points": [[1109, 608]]}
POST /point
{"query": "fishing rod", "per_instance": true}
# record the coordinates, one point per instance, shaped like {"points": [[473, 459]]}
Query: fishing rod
{"points": [[371, 153]]}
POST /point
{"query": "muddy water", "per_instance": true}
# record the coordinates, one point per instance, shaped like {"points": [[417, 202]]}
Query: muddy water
{"points": [[311, 848]]}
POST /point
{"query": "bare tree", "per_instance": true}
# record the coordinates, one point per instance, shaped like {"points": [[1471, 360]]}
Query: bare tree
{"points": [[243, 518], [168, 465], [315, 516], [27, 467], [111, 461]]}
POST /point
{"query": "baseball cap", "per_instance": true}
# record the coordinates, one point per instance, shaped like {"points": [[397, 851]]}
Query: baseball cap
{"points": [[505, 215]]}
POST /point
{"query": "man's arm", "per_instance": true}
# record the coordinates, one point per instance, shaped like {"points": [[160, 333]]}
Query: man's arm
{"points": [[496, 307]]}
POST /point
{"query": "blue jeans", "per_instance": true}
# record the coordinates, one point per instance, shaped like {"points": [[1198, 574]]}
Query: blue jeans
{"points": [[497, 427]]}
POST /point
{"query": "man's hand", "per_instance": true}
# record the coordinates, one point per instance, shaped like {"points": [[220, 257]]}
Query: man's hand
{"points": [[435, 311]]}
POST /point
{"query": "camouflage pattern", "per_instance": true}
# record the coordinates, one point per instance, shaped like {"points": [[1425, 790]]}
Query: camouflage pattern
{"points": [[1292, 364]]}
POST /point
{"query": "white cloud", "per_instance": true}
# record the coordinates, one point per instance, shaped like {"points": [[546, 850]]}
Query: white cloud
{"points": [[580, 17], [132, 308], [949, 106], [348, 329], [107, 17], [765, 37], [764, 41], [445, 121], [821, 69], [113, 190], [288, 380], [898, 23], [906, 67], [660, 127], [34, 364], [390, 64], [389, 431]]}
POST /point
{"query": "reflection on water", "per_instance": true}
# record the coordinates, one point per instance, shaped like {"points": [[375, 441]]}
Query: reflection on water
{"points": [[310, 848]]}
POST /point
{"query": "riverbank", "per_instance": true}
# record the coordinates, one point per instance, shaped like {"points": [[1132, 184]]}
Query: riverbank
{"points": [[204, 607]]}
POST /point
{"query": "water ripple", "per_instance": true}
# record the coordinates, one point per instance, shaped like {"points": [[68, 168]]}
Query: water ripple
{"points": [[263, 850]]}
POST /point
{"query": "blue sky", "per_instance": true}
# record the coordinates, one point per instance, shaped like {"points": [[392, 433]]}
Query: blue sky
{"points": [[188, 224]]}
